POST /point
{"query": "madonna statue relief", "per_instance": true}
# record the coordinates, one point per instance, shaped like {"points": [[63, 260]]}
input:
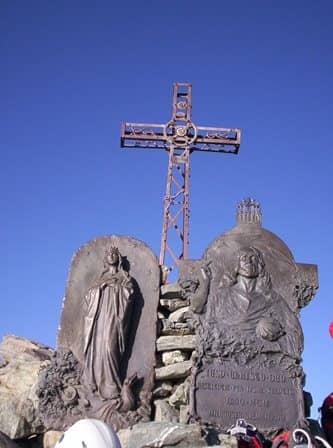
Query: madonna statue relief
{"points": [[104, 362], [108, 304]]}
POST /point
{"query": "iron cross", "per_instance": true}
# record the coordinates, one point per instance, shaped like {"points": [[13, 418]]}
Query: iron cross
{"points": [[179, 136]]}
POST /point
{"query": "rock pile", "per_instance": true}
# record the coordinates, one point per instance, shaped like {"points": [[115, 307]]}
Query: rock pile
{"points": [[175, 348]]}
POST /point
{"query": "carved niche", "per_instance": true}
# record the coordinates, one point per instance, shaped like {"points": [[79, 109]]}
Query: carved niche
{"points": [[249, 338], [100, 368]]}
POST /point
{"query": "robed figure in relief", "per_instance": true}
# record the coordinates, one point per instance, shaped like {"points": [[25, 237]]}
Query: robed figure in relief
{"points": [[107, 318], [251, 314]]}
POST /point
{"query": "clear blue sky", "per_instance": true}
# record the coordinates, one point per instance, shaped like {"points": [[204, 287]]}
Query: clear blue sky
{"points": [[72, 70]]}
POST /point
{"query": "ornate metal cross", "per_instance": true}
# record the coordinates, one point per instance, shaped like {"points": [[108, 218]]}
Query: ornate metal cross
{"points": [[179, 136]]}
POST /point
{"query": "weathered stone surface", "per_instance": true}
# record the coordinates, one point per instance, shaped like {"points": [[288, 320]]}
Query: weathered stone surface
{"points": [[160, 315], [179, 315], [171, 291], [174, 371], [167, 343], [184, 413], [162, 435], [6, 442], [181, 394], [174, 304], [25, 349], [51, 438], [173, 357], [228, 441], [164, 412], [175, 328], [163, 389], [18, 379]]}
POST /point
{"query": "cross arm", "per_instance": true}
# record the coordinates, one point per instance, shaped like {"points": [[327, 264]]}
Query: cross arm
{"points": [[211, 139], [200, 138], [142, 135]]}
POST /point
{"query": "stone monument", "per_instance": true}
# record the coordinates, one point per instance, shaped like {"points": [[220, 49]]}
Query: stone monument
{"points": [[105, 356], [248, 291]]}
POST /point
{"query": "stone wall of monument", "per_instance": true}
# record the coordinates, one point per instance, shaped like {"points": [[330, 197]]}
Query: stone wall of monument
{"points": [[175, 351]]}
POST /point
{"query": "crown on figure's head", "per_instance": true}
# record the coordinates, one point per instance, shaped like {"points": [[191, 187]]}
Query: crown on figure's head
{"points": [[248, 212], [113, 250]]}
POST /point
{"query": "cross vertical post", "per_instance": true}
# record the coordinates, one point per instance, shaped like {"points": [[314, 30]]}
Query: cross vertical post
{"points": [[180, 137], [176, 199]]}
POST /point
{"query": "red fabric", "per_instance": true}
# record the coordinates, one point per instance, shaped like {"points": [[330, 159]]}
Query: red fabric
{"points": [[253, 443], [281, 440], [327, 406], [327, 425], [330, 329]]}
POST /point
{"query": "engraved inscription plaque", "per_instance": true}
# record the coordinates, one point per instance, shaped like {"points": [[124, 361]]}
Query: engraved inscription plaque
{"points": [[223, 393]]}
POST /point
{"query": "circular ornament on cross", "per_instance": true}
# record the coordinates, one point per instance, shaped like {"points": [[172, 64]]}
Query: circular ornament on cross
{"points": [[180, 135]]}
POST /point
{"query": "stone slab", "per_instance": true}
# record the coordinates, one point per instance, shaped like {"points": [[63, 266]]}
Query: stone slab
{"points": [[171, 291], [174, 371], [166, 343], [173, 357], [180, 314], [175, 328], [164, 412], [161, 434], [162, 389], [50, 438], [181, 394], [174, 304]]}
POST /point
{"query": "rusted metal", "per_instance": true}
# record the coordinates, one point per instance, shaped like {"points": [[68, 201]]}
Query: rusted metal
{"points": [[179, 136]]}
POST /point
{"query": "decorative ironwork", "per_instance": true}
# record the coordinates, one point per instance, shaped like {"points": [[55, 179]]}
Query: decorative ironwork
{"points": [[248, 211], [179, 136]]}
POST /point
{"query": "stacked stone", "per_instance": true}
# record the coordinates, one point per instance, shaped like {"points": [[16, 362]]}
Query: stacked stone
{"points": [[175, 345]]}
